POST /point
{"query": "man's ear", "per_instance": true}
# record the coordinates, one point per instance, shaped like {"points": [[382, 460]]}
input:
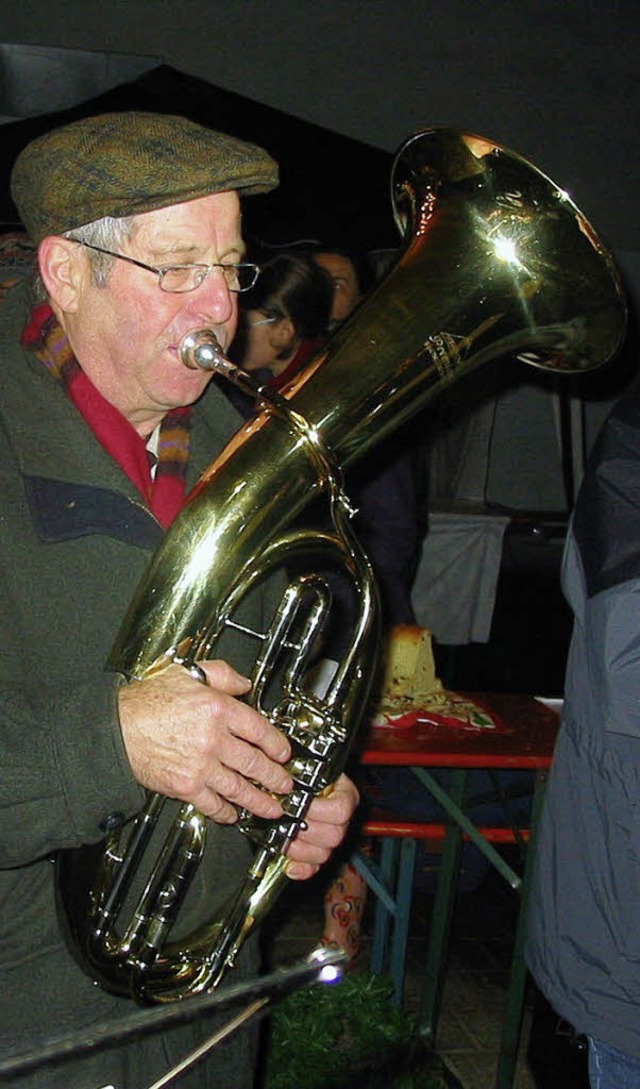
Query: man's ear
{"points": [[63, 270]]}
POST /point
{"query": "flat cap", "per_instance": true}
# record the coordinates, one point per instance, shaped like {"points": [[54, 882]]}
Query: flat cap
{"points": [[121, 164]]}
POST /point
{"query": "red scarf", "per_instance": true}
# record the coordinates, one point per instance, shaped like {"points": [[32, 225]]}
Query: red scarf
{"points": [[165, 493]]}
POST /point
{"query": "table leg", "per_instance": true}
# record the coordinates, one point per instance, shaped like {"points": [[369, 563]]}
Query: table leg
{"points": [[440, 927], [404, 897], [391, 880], [512, 1024], [384, 911]]}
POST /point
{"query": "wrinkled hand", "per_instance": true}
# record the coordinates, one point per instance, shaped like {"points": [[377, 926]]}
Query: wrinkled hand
{"points": [[201, 744], [327, 822]]}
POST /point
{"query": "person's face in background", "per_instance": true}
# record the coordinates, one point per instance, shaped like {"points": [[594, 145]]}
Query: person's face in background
{"points": [[346, 289], [265, 341]]}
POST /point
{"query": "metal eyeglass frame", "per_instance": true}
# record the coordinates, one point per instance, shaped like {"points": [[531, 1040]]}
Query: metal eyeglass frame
{"points": [[203, 270]]}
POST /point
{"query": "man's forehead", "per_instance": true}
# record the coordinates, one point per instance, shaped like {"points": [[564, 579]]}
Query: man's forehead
{"points": [[204, 219]]}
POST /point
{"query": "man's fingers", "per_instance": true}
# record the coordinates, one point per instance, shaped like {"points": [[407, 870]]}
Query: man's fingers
{"points": [[301, 871], [235, 755], [201, 744], [336, 808], [221, 675], [326, 824], [215, 801]]}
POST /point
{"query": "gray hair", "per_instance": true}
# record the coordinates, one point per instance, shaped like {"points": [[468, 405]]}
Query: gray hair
{"points": [[109, 234]]}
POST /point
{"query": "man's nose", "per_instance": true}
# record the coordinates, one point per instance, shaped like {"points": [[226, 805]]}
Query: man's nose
{"points": [[214, 298]]}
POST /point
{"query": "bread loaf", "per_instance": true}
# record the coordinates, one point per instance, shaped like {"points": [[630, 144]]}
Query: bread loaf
{"points": [[411, 691], [410, 671]]}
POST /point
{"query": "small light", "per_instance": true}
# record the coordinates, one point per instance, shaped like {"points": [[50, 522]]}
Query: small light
{"points": [[331, 973]]}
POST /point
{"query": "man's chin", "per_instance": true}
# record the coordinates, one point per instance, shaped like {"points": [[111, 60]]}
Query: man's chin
{"points": [[187, 390]]}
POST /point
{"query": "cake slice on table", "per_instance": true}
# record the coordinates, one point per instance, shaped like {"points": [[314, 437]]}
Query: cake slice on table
{"points": [[411, 691]]}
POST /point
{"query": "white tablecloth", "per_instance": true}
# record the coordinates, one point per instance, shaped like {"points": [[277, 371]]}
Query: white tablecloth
{"points": [[455, 586]]}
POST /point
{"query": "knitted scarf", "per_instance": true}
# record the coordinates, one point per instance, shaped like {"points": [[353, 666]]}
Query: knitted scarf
{"points": [[164, 494]]}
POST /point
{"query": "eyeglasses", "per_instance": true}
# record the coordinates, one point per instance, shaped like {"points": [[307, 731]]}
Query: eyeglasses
{"points": [[178, 279], [262, 321]]}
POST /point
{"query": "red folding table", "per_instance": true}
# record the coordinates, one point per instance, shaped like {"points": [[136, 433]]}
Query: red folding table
{"points": [[525, 738]]}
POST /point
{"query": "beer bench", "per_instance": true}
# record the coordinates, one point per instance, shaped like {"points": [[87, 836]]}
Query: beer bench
{"points": [[527, 742]]}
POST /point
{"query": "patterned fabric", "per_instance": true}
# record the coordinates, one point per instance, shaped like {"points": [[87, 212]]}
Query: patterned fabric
{"points": [[164, 494], [17, 259], [17, 254], [122, 164]]}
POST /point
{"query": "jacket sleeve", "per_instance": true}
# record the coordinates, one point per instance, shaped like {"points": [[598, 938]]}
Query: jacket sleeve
{"points": [[613, 647], [601, 574], [59, 785], [63, 765], [603, 671]]}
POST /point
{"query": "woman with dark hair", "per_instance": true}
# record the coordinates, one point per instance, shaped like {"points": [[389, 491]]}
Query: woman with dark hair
{"points": [[285, 317]]}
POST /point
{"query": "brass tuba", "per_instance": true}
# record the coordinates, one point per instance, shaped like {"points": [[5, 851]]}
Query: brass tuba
{"points": [[497, 261]]}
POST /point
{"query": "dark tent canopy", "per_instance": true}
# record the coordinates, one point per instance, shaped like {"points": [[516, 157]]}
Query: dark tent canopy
{"points": [[333, 189]]}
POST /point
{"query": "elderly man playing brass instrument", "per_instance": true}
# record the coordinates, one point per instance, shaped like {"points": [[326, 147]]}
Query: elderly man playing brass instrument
{"points": [[138, 227]]}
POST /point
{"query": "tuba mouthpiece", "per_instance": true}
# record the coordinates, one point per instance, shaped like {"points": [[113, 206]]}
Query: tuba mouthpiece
{"points": [[201, 350]]}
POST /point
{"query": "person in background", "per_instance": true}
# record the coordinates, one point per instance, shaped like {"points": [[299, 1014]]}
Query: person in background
{"points": [[386, 486], [136, 217], [351, 278], [584, 931], [384, 489], [285, 318]]}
